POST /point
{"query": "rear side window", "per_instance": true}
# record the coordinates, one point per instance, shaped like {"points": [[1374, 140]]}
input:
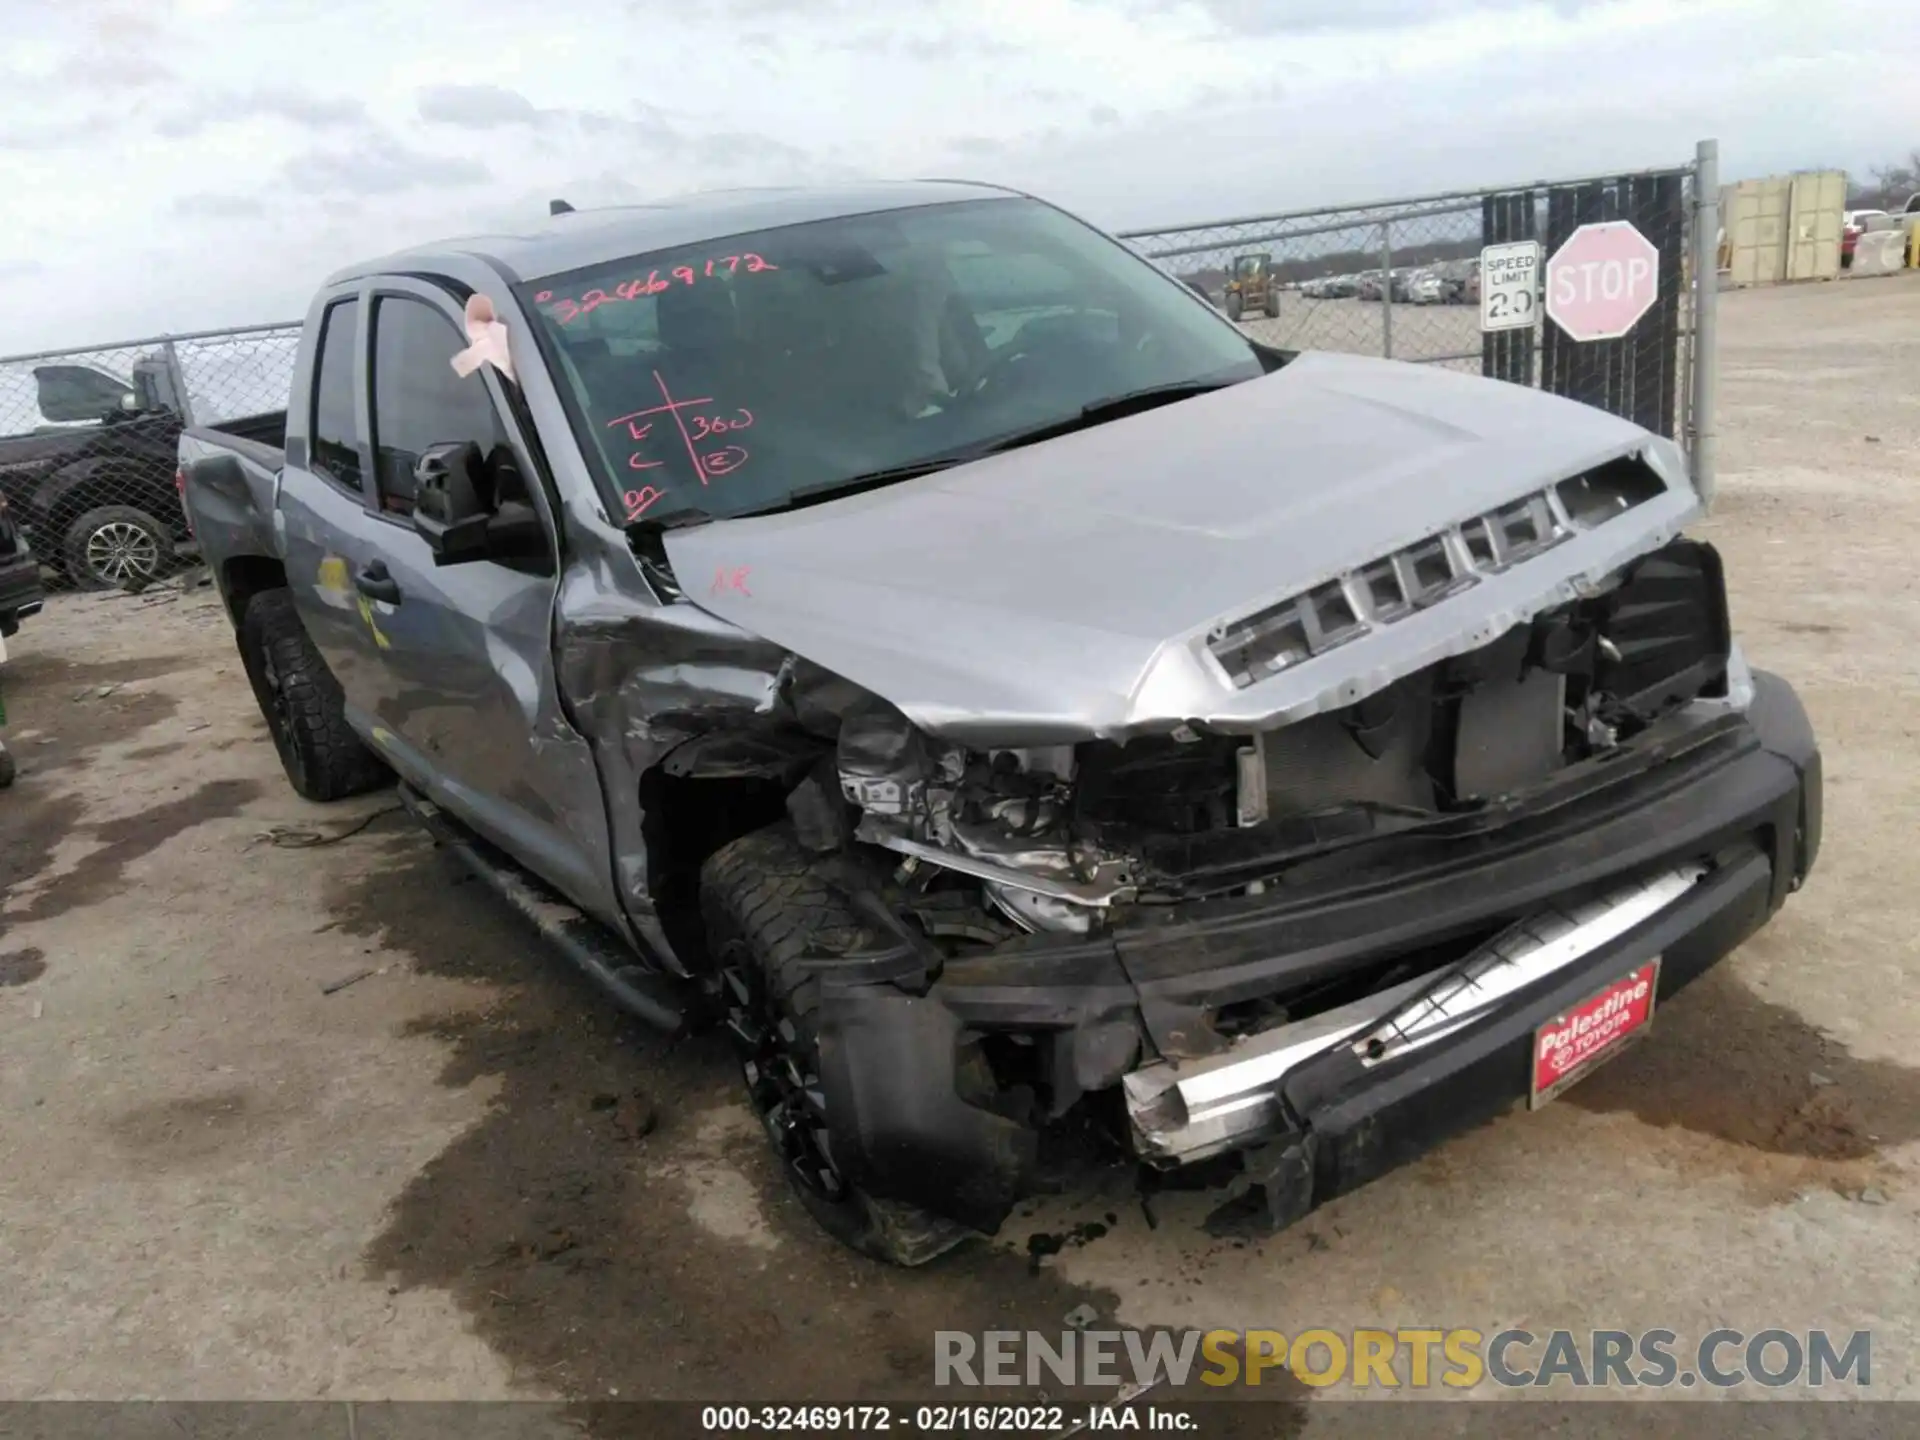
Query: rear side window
{"points": [[336, 438], [418, 400]]}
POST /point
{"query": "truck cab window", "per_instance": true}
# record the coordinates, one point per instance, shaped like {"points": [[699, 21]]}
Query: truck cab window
{"points": [[336, 438], [418, 401]]}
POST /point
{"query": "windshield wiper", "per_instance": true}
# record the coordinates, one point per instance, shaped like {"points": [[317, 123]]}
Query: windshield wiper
{"points": [[870, 480], [1114, 407]]}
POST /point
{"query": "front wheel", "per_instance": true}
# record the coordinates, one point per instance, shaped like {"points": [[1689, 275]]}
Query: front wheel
{"points": [[1234, 306], [304, 706], [116, 547], [767, 911]]}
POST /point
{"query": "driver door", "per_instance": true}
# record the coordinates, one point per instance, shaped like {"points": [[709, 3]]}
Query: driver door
{"points": [[452, 666]]}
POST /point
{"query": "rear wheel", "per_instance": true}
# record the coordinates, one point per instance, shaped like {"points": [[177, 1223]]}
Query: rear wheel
{"points": [[767, 912], [303, 704], [116, 547]]}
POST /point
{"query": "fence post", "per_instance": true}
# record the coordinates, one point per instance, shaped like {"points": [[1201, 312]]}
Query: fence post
{"points": [[1386, 289], [177, 379], [1706, 305]]}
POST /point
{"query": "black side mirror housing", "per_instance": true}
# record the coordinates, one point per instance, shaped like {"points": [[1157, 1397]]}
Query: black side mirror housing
{"points": [[450, 505], [458, 512]]}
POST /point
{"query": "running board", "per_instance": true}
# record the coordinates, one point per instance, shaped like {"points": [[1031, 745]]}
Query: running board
{"points": [[1183, 1111], [584, 941]]}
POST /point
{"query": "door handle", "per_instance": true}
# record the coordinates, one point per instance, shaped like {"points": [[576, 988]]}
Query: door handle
{"points": [[376, 584]]}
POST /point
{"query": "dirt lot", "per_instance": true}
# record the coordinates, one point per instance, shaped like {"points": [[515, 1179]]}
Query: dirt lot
{"points": [[461, 1177]]}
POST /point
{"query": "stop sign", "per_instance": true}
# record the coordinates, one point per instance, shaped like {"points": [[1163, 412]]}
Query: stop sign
{"points": [[1602, 280]]}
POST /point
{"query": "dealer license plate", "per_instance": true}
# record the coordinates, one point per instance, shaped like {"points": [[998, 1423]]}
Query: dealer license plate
{"points": [[1578, 1041]]}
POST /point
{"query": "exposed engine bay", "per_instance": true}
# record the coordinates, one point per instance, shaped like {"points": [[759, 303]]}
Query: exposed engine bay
{"points": [[1065, 838]]}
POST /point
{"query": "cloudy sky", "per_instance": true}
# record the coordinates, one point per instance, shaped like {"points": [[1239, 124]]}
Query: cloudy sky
{"points": [[177, 164]]}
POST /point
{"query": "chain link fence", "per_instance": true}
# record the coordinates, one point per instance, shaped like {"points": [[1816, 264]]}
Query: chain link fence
{"points": [[1585, 291], [89, 441]]}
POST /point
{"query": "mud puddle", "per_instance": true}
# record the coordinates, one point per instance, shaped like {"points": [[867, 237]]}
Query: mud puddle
{"points": [[616, 1226], [1798, 1108]]}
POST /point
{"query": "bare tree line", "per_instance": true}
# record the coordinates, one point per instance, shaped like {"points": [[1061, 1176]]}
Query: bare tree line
{"points": [[1890, 186]]}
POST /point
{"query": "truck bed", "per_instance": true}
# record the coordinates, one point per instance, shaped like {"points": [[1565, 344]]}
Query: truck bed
{"points": [[227, 477], [259, 438]]}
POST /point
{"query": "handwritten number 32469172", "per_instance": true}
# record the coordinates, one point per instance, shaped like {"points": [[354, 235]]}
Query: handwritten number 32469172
{"points": [[568, 309]]}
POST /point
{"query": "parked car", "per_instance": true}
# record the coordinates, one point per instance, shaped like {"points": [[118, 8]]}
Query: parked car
{"points": [[93, 481], [1002, 776], [20, 592], [1425, 287]]}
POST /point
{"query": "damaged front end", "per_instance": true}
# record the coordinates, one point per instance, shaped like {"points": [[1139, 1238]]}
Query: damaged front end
{"points": [[1059, 837], [1194, 943]]}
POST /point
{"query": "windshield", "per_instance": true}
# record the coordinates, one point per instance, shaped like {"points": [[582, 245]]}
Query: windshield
{"points": [[727, 377]]}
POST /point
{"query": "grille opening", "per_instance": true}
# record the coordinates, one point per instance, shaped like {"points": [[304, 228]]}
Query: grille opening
{"points": [[1479, 538], [1520, 524], [1265, 644], [1333, 613], [1382, 587], [1431, 568], [1599, 495]]}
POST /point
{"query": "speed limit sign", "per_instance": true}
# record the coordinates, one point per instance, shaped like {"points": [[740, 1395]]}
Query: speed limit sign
{"points": [[1509, 285]]}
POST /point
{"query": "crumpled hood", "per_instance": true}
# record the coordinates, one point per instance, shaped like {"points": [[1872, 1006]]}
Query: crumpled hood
{"points": [[1066, 589]]}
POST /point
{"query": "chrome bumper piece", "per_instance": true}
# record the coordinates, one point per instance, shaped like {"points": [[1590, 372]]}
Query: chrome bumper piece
{"points": [[1184, 1111]]}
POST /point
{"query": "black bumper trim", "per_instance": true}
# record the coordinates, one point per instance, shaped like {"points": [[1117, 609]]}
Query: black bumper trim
{"points": [[1364, 1124]]}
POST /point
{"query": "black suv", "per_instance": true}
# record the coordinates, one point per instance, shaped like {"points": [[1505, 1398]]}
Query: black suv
{"points": [[93, 485]]}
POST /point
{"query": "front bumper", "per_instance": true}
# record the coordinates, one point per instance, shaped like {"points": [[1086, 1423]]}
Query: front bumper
{"points": [[941, 1098]]}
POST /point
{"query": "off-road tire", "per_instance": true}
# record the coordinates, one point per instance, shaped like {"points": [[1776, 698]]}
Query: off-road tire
{"points": [[303, 704], [7, 768], [1273, 308], [1235, 308], [767, 910], [114, 547]]}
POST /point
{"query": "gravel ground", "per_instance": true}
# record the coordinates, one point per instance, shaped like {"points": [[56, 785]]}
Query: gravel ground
{"points": [[459, 1176]]}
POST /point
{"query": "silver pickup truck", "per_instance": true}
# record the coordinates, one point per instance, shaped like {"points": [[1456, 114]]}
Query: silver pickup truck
{"points": [[905, 626]]}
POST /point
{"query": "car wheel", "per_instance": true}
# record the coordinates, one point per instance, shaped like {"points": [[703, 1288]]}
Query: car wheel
{"points": [[767, 910], [116, 547], [1234, 306], [303, 704]]}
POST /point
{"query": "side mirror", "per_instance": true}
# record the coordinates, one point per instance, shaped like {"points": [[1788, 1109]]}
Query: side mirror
{"points": [[450, 508], [456, 509]]}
